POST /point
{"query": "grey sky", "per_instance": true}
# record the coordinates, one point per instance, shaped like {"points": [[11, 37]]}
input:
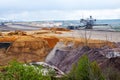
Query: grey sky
{"points": [[57, 9]]}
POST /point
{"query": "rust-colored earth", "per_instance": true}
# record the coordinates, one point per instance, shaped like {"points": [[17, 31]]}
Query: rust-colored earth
{"points": [[35, 47]]}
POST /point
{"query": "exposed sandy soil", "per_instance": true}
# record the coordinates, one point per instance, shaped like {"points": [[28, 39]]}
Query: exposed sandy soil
{"points": [[90, 34], [32, 46], [92, 37]]}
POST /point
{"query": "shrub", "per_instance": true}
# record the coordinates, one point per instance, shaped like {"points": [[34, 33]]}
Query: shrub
{"points": [[96, 72], [84, 70], [18, 71]]}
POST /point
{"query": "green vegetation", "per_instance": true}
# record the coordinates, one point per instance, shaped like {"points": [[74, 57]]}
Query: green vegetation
{"points": [[85, 70], [18, 71]]}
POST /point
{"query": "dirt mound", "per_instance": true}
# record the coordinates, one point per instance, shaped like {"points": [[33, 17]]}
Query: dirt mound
{"points": [[78, 42], [26, 49], [8, 39], [17, 32], [56, 29], [51, 41], [112, 62], [65, 57], [1, 34], [42, 32]]}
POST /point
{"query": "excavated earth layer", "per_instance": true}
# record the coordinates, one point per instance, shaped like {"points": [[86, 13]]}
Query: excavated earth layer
{"points": [[25, 49], [112, 63], [56, 29], [64, 58], [8, 39]]}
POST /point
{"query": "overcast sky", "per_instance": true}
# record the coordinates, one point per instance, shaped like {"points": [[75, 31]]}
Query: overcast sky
{"points": [[32, 10]]}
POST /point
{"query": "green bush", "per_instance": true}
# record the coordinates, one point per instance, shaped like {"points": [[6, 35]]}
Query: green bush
{"points": [[84, 70], [18, 71], [96, 73]]}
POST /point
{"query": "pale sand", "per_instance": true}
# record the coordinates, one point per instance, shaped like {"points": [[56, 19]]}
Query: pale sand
{"points": [[92, 34], [101, 35], [98, 35]]}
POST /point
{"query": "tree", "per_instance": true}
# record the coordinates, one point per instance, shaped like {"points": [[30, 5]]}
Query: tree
{"points": [[85, 70]]}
